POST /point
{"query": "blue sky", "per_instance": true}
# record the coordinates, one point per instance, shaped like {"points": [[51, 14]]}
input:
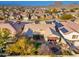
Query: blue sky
{"points": [[33, 3]]}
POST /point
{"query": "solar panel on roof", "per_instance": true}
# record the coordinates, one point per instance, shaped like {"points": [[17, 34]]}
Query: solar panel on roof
{"points": [[58, 24], [64, 30]]}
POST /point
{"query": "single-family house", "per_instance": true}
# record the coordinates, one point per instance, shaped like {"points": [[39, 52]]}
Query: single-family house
{"points": [[34, 17], [69, 30], [72, 30], [41, 29]]}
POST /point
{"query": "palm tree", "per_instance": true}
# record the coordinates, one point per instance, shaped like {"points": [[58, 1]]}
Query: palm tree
{"points": [[4, 36]]}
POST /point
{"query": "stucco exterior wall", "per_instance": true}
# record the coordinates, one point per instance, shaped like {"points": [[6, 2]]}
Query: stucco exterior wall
{"points": [[70, 35]]}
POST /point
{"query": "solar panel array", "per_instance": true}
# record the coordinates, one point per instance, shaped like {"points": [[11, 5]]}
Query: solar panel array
{"points": [[59, 25], [64, 30]]}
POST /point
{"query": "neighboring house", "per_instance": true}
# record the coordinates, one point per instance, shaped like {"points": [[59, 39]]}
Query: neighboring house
{"points": [[9, 27], [18, 26], [72, 30], [69, 31], [11, 17], [25, 18], [48, 16], [34, 17]]}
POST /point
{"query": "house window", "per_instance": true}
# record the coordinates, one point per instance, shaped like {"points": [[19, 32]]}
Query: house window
{"points": [[74, 36]]}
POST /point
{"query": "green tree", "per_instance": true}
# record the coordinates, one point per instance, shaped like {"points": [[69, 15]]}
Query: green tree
{"points": [[22, 47], [72, 10], [66, 17], [4, 36]]}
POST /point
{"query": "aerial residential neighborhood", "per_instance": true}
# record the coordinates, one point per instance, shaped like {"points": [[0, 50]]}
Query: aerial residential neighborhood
{"points": [[51, 30]]}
